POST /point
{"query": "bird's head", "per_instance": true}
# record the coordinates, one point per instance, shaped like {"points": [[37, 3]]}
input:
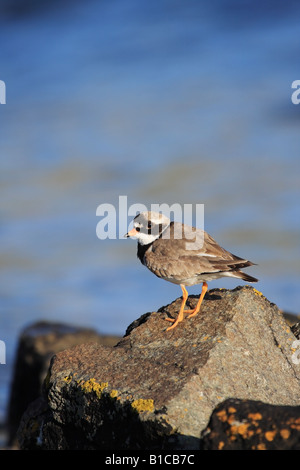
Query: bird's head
{"points": [[148, 226]]}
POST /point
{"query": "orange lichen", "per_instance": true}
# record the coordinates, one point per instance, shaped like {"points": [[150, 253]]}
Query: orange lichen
{"points": [[205, 338], [261, 446], [269, 435], [231, 419], [294, 423], [242, 430], [285, 433], [255, 416], [222, 415], [231, 409]]}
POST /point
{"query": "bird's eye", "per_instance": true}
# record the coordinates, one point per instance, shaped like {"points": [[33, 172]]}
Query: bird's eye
{"points": [[137, 229], [149, 225]]}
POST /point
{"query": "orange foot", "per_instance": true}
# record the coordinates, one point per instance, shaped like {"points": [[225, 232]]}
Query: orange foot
{"points": [[192, 312]]}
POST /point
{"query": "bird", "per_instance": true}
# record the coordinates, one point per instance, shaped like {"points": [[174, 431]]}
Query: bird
{"points": [[184, 255]]}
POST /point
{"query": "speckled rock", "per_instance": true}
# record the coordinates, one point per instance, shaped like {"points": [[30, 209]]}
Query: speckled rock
{"points": [[252, 425], [157, 389], [38, 342]]}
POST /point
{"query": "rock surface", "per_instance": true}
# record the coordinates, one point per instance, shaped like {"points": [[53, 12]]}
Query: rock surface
{"points": [[252, 425], [37, 344], [157, 389]]}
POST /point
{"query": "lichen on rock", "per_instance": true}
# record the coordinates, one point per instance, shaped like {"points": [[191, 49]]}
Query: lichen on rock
{"points": [[157, 389]]}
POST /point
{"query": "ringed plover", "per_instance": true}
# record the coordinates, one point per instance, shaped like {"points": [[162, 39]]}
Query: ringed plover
{"points": [[163, 247]]}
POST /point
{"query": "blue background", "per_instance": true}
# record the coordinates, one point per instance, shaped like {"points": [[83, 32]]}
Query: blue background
{"points": [[163, 101]]}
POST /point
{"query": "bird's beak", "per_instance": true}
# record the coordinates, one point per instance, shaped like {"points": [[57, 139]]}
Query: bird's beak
{"points": [[131, 233]]}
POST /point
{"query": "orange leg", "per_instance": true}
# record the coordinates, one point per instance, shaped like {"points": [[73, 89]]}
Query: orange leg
{"points": [[180, 315], [196, 310]]}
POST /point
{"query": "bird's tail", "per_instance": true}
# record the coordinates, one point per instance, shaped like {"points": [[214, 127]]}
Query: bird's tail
{"points": [[245, 277]]}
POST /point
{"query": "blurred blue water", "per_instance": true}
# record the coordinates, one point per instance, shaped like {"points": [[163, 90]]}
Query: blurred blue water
{"points": [[186, 102]]}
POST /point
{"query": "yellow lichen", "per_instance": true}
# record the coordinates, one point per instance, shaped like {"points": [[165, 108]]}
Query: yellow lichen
{"points": [[114, 394], [141, 405], [257, 292], [92, 386]]}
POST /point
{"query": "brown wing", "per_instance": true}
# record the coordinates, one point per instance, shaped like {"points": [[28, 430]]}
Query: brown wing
{"points": [[174, 257]]}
